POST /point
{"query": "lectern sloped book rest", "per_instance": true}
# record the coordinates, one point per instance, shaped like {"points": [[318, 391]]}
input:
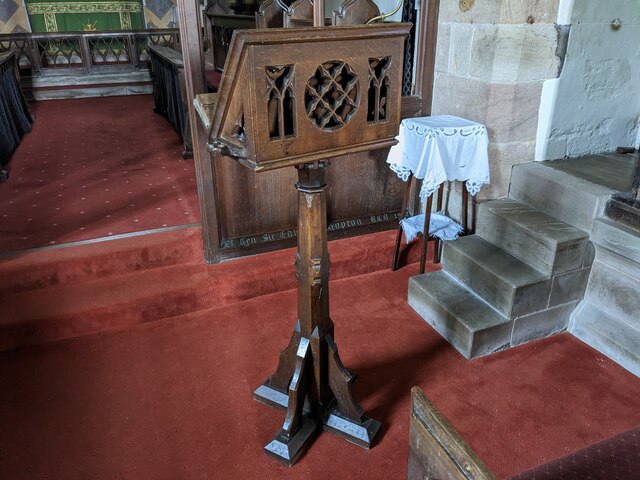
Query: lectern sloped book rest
{"points": [[300, 98]]}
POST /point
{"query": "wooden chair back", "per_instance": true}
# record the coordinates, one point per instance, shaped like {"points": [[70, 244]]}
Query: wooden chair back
{"points": [[353, 12], [271, 14], [223, 21], [299, 14]]}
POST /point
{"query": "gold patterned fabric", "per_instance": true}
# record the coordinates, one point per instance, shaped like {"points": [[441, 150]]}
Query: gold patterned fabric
{"points": [[84, 15]]}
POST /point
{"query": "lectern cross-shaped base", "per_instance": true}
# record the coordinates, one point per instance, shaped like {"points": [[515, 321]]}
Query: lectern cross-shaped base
{"points": [[311, 382]]}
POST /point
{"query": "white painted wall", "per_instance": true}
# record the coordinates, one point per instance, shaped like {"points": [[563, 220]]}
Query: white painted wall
{"points": [[594, 105]]}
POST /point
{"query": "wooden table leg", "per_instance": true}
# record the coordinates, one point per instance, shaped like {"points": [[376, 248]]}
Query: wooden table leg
{"points": [[311, 382], [438, 243], [472, 227], [425, 233], [465, 208], [404, 213]]}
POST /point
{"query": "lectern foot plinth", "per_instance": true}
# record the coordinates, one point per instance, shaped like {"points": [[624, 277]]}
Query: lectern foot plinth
{"points": [[271, 396], [288, 450], [340, 413], [361, 433]]}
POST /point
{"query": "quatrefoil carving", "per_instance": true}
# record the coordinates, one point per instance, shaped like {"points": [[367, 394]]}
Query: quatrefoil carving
{"points": [[332, 95]]}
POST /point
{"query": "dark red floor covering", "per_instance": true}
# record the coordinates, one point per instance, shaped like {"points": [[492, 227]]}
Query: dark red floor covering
{"points": [[93, 168], [171, 399], [52, 294]]}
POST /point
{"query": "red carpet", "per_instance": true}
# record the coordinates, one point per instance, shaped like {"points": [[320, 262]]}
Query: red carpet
{"points": [[53, 294], [93, 168], [171, 399]]}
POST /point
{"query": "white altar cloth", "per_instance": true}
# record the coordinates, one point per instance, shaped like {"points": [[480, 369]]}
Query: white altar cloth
{"points": [[439, 148]]}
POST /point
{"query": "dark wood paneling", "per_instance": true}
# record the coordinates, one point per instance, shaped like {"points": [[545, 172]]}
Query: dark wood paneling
{"points": [[257, 212]]}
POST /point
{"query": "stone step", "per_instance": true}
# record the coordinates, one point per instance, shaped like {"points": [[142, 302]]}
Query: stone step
{"points": [[507, 284], [460, 316], [542, 186], [613, 337], [624, 208], [54, 87], [617, 237], [537, 239], [614, 286]]}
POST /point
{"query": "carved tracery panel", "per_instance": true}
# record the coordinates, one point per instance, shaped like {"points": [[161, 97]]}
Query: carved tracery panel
{"points": [[378, 89], [332, 95], [280, 101]]}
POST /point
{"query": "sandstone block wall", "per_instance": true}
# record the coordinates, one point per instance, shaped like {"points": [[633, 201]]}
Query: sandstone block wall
{"points": [[492, 61]]}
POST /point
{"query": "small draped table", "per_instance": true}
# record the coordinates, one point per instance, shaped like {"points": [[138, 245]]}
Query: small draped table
{"points": [[438, 149]]}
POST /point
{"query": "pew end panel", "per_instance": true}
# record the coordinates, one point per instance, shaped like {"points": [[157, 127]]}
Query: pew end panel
{"points": [[436, 451], [170, 96]]}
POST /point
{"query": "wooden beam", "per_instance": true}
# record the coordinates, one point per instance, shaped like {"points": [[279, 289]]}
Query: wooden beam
{"points": [[193, 58], [426, 55], [318, 13]]}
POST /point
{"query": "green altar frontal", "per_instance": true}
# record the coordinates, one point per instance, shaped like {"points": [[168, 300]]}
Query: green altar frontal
{"points": [[84, 15]]}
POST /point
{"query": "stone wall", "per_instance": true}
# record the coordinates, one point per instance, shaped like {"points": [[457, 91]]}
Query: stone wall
{"points": [[493, 57], [594, 105]]}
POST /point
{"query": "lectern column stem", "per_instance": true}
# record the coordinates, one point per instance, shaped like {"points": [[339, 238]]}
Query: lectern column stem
{"points": [[312, 270], [312, 259], [311, 382]]}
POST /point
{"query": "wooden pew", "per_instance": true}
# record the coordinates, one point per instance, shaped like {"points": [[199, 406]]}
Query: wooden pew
{"points": [[167, 70], [15, 120], [437, 452], [222, 21], [353, 12]]}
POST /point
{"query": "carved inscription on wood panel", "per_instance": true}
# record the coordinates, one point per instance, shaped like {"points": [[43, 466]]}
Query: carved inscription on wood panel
{"points": [[281, 235]]}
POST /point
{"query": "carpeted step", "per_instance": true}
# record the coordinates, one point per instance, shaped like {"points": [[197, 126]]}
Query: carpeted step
{"points": [[537, 239], [456, 313], [172, 399], [96, 303], [54, 313], [81, 263], [507, 284]]}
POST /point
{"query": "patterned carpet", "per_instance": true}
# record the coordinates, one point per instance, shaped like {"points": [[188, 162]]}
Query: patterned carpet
{"points": [[94, 168]]}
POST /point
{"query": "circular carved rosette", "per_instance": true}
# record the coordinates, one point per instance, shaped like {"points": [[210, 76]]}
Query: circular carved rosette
{"points": [[332, 95]]}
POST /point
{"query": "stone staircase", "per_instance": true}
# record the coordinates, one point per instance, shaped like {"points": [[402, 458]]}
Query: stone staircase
{"points": [[524, 272], [609, 317]]}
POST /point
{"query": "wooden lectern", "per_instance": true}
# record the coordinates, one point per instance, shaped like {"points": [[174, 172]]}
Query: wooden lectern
{"points": [[300, 97]]}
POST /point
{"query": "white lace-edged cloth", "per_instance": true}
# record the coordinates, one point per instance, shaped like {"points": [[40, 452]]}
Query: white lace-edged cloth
{"points": [[440, 226], [440, 148]]}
